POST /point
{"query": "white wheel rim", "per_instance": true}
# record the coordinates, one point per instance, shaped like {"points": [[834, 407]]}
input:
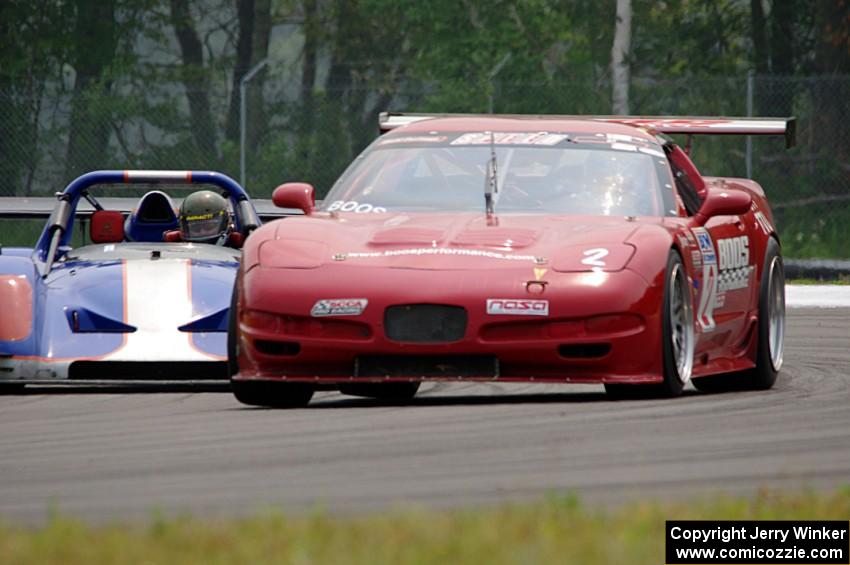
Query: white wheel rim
{"points": [[681, 323], [776, 313]]}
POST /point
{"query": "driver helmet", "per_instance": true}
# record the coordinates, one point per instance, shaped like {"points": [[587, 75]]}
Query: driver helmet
{"points": [[204, 218]]}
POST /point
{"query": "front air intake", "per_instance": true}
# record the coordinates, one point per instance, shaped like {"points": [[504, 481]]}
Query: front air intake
{"points": [[425, 323], [280, 348], [584, 350]]}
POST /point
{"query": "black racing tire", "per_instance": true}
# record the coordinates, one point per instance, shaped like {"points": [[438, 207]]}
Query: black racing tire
{"points": [[272, 394], [771, 333], [384, 391], [11, 388], [677, 336]]}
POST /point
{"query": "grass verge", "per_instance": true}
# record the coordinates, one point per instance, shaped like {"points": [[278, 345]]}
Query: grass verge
{"points": [[557, 529], [842, 280]]}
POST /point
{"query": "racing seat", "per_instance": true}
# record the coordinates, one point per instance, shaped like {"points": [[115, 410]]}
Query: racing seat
{"points": [[153, 215], [106, 226]]}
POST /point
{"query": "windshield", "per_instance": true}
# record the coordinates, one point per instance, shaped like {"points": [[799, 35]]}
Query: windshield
{"points": [[536, 172]]}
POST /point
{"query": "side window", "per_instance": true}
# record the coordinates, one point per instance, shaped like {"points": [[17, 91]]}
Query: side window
{"points": [[686, 185]]}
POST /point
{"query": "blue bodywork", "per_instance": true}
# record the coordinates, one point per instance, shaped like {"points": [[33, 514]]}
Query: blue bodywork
{"points": [[136, 311]]}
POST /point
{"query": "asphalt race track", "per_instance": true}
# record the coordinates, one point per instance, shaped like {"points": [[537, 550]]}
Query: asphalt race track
{"points": [[124, 455]]}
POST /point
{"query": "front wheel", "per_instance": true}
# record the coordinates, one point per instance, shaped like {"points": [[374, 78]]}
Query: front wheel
{"points": [[677, 336], [272, 394]]}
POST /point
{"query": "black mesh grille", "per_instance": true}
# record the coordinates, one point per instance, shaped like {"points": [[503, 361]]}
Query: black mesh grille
{"points": [[148, 370], [425, 323], [449, 366]]}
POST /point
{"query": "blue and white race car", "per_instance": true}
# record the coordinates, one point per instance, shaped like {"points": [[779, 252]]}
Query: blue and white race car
{"points": [[131, 303]]}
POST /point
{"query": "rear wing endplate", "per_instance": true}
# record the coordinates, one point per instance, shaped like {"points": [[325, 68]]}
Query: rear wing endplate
{"points": [[690, 125]]}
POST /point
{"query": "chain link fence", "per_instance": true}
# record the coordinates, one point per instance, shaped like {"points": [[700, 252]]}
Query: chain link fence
{"points": [[50, 134]]}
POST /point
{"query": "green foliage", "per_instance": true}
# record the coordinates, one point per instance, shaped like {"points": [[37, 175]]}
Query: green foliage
{"points": [[103, 84], [556, 530]]}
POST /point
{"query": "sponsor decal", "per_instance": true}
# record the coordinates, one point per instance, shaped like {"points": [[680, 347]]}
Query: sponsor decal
{"points": [[624, 147], [696, 259], [708, 294], [538, 274], [734, 252], [510, 138], [763, 223], [726, 269], [517, 307], [356, 207], [442, 251], [735, 268], [653, 152], [413, 139], [620, 137], [339, 307]]}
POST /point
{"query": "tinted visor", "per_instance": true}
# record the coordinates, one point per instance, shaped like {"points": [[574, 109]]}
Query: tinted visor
{"points": [[203, 227]]}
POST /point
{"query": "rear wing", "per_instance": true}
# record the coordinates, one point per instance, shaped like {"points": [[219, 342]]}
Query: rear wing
{"points": [[36, 207], [689, 125]]}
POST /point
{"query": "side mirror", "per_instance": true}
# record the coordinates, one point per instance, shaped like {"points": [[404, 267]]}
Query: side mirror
{"points": [[723, 202], [295, 195]]}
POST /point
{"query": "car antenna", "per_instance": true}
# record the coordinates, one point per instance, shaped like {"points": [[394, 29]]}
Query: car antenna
{"points": [[491, 183]]}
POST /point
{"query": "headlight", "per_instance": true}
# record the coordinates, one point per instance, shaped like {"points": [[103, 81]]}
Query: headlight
{"points": [[292, 254]]}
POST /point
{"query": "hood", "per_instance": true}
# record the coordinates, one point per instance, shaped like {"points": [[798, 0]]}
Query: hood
{"points": [[462, 241]]}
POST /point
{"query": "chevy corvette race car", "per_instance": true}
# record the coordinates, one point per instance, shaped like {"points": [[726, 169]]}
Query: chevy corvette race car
{"points": [[125, 304], [515, 248]]}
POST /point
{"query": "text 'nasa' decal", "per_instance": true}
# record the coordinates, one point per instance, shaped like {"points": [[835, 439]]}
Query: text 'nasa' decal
{"points": [[518, 307], [339, 307]]}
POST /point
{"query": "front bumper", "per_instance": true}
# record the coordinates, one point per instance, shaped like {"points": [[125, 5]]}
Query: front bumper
{"points": [[40, 370], [601, 327]]}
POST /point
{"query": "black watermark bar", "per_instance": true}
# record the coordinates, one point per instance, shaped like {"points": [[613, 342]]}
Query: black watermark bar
{"points": [[695, 542]]}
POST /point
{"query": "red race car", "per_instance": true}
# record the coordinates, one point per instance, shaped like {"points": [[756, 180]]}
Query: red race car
{"points": [[515, 248]]}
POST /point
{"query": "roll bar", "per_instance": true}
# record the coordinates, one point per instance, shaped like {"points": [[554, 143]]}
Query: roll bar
{"points": [[57, 232]]}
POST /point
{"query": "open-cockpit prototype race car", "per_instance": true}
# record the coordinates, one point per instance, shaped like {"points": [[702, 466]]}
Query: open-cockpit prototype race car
{"points": [[132, 302], [516, 248]]}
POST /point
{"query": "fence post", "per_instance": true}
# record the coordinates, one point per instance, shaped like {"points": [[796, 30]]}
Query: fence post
{"points": [[243, 87], [751, 79], [490, 76]]}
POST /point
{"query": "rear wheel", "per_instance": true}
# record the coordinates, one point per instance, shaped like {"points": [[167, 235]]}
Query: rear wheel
{"points": [[385, 391], [272, 394], [677, 333], [771, 333]]}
